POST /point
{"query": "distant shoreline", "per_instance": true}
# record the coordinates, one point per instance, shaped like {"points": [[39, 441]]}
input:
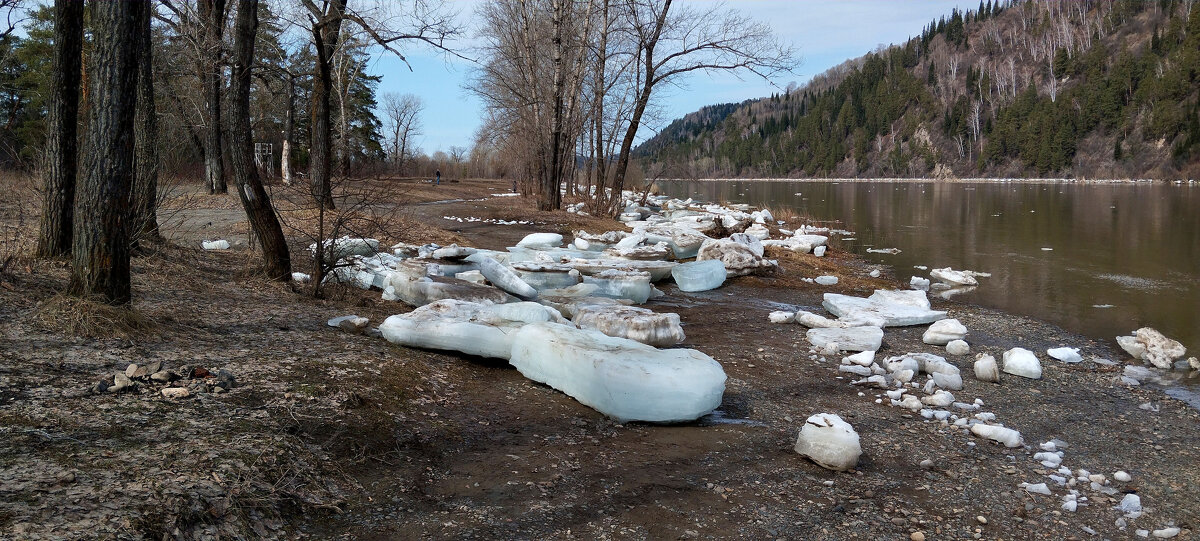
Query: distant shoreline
{"points": [[944, 181]]}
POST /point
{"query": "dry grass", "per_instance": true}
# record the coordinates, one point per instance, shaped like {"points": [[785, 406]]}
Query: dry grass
{"points": [[93, 319]]}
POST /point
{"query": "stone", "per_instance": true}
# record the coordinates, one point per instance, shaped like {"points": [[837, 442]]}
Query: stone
{"points": [[1022, 362], [164, 376], [121, 382], [623, 379], [958, 348], [986, 368], [943, 332], [847, 339], [830, 442], [640, 324], [1066, 355], [153, 367], [700, 275], [892, 314], [1122, 476], [175, 392]]}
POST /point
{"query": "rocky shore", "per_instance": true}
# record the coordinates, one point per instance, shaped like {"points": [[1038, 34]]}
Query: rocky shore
{"points": [[317, 432]]}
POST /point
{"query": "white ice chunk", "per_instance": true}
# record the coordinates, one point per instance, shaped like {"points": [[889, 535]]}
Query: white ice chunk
{"points": [[346, 246], [940, 399], [986, 368], [1152, 346], [739, 259], [943, 332], [618, 284], [623, 379], [780, 316], [826, 280], [468, 327], [1022, 362], [1131, 503], [351, 323], [847, 339], [1004, 435], [541, 240], [699, 275], [1039, 488], [829, 441], [958, 348], [819, 251], [916, 282], [865, 358], [504, 278], [221, 244], [909, 297], [893, 314], [956, 278], [473, 276], [1066, 355], [1166, 533], [640, 324], [453, 251]]}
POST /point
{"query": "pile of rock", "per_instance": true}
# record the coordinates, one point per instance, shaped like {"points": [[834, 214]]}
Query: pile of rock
{"points": [[180, 383]]}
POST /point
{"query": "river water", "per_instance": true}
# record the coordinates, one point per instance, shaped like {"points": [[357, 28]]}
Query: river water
{"points": [[1097, 259]]}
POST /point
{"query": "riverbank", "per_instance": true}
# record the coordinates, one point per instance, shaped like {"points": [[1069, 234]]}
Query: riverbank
{"points": [[330, 434], [979, 180]]}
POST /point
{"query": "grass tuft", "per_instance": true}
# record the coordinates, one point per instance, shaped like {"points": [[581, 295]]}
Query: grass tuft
{"points": [[93, 319]]}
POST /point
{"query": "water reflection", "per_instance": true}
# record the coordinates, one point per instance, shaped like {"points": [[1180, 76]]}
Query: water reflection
{"points": [[1099, 259]]}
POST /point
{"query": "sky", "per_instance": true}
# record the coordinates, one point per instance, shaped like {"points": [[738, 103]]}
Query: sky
{"points": [[824, 33]]}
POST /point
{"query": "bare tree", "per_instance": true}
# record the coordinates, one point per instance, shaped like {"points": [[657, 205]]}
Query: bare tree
{"points": [[670, 43], [100, 240], [54, 236], [10, 8], [212, 15], [255, 201], [403, 119], [146, 163]]}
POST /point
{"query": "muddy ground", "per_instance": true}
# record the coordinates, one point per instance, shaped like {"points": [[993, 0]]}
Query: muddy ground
{"points": [[333, 435]]}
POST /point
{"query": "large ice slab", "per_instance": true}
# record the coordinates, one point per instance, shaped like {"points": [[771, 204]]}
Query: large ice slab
{"points": [[541, 240], [618, 284], [621, 378], [658, 270], [504, 278], [484, 330], [893, 314], [683, 240], [346, 246], [739, 258], [699, 275], [640, 324], [417, 290], [543, 276], [1152, 346], [847, 338]]}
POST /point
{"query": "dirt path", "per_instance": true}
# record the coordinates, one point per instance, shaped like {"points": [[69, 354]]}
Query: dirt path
{"points": [[336, 435]]}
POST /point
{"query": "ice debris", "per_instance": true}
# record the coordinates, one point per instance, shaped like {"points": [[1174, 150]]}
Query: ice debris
{"points": [[1149, 345], [847, 339], [882, 307], [943, 332], [220, 244], [699, 275], [640, 324], [1022, 362], [829, 441]]}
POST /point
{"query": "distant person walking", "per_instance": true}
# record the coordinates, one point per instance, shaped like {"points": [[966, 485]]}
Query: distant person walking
{"points": [[438, 178]]}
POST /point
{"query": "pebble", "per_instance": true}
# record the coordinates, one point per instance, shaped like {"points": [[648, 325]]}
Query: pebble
{"points": [[1122, 476], [927, 464], [982, 519], [176, 392], [129, 370], [917, 536]]}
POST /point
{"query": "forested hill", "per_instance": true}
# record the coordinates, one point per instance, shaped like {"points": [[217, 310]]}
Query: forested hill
{"points": [[1098, 89]]}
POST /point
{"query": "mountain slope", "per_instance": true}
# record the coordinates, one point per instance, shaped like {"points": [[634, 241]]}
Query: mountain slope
{"points": [[1032, 88]]}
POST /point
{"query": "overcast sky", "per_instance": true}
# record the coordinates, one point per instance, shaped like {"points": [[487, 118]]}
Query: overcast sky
{"points": [[825, 33]]}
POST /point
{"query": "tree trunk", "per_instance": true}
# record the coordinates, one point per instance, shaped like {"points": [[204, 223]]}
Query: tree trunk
{"points": [[550, 197], [277, 261], [145, 180], [325, 36], [289, 126], [212, 14], [103, 206], [54, 236]]}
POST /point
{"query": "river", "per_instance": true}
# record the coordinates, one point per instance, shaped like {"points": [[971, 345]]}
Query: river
{"points": [[1097, 259]]}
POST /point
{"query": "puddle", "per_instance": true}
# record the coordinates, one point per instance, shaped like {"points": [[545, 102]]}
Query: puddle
{"points": [[718, 417]]}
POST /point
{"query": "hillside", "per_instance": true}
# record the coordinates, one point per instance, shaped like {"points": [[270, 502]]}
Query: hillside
{"points": [[1033, 88]]}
